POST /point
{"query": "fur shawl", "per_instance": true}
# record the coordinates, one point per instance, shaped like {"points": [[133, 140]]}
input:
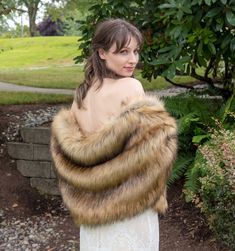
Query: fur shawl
{"points": [[119, 171]]}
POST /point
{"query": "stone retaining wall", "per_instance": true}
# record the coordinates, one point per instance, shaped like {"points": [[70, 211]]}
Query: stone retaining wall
{"points": [[33, 159]]}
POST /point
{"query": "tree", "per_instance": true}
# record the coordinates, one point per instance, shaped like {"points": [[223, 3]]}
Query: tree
{"points": [[180, 37], [8, 6], [32, 8], [73, 12], [49, 27]]}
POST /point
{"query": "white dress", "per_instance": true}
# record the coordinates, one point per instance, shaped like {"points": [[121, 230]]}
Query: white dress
{"points": [[140, 233]]}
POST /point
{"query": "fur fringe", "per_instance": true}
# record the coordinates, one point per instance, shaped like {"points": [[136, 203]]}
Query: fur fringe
{"points": [[119, 171]]}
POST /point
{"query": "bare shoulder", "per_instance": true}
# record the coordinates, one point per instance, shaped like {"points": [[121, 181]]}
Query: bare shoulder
{"points": [[129, 88], [130, 84]]}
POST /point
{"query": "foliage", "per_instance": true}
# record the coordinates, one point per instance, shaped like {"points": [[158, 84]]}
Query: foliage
{"points": [[49, 27], [180, 36], [4, 27], [17, 31], [69, 12], [98, 12], [7, 6], [194, 115], [214, 193], [201, 33], [30, 7], [210, 182]]}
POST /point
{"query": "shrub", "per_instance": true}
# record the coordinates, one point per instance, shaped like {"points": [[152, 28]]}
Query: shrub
{"points": [[49, 27], [214, 191]]}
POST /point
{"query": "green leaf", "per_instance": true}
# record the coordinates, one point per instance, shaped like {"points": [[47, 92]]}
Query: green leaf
{"points": [[230, 17], [226, 41], [186, 10], [208, 2], [167, 6], [191, 38], [223, 1], [181, 165], [198, 138], [175, 32], [199, 49], [201, 61], [184, 60], [160, 61], [232, 45], [213, 12], [194, 2], [170, 72], [179, 14], [211, 48], [165, 49], [227, 108]]}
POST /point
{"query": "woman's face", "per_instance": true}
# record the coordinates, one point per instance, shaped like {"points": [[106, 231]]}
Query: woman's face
{"points": [[122, 63]]}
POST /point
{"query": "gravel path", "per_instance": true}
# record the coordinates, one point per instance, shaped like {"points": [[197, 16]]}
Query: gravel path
{"points": [[35, 233]]}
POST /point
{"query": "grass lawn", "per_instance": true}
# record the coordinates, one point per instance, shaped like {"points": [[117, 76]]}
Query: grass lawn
{"points": [[16, 98], [69, 77], [37, 51]]}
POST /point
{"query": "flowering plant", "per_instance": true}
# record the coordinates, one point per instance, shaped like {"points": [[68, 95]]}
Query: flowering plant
{"points": [[215, 190]]}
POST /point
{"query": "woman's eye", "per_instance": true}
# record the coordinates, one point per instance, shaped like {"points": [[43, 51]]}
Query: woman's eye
{"points": [[124, 52], [136, 52]]}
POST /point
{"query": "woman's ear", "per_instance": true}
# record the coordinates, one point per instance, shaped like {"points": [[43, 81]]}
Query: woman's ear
{"points": [[102, 53]]}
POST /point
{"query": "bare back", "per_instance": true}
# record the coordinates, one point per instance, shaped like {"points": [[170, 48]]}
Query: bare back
{"points": [[105, 103]]}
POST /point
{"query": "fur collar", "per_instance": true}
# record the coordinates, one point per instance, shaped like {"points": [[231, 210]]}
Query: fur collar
{"points": [[119, 171]]}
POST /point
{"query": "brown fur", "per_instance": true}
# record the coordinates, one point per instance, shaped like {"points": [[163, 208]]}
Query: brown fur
{"points": [[119, 171]]}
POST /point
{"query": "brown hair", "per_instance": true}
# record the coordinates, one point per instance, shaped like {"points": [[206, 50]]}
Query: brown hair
{"points": [[107, 33]]}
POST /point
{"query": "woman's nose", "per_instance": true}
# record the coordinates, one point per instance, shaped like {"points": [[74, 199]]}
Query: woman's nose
{"points": [[133, 58]]}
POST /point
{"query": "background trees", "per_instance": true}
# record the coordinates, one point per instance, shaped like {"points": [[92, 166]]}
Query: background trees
{"points": [[32, 9], [195, 37], [69, 12]]}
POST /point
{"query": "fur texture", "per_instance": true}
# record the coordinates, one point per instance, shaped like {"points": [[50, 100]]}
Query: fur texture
{"points": [[119, 171]]}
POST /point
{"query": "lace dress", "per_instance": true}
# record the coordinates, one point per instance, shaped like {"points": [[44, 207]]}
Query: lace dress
{"points": [[140, 233]]}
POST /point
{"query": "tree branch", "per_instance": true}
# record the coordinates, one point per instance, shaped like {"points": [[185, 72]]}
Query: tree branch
{"points": [[209, 67], [204, 79], [178, 85]]}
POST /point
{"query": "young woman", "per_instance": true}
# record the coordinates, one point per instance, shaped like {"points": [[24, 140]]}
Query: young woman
{"points": [[113, 151]]}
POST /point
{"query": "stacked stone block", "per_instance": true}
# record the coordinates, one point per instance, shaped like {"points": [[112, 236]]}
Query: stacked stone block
{"points": [[33, 159]]}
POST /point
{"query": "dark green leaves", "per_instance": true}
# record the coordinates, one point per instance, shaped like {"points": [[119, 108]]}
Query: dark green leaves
{"points": [[230, 16]]}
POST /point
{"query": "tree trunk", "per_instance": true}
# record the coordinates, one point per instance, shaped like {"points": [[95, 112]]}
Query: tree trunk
{"points": [[32, 8]]}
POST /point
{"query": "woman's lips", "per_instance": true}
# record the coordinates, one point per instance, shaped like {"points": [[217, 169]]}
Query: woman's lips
{"points": [[129, 68]]}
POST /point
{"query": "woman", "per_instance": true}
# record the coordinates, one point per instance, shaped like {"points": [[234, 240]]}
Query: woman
{"points": [[113, 151]]}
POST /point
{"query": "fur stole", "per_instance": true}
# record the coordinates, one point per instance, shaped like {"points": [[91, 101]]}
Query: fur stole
{"points": [[120, 170]]}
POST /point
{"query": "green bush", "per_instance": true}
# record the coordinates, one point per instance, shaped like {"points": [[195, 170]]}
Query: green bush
{"points": [[194, 116], [214, 193]]}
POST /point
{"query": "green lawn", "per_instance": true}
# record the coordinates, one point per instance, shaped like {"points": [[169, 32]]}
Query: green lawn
{"points": [[16, 98], [69, 77], [37, 51]]}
